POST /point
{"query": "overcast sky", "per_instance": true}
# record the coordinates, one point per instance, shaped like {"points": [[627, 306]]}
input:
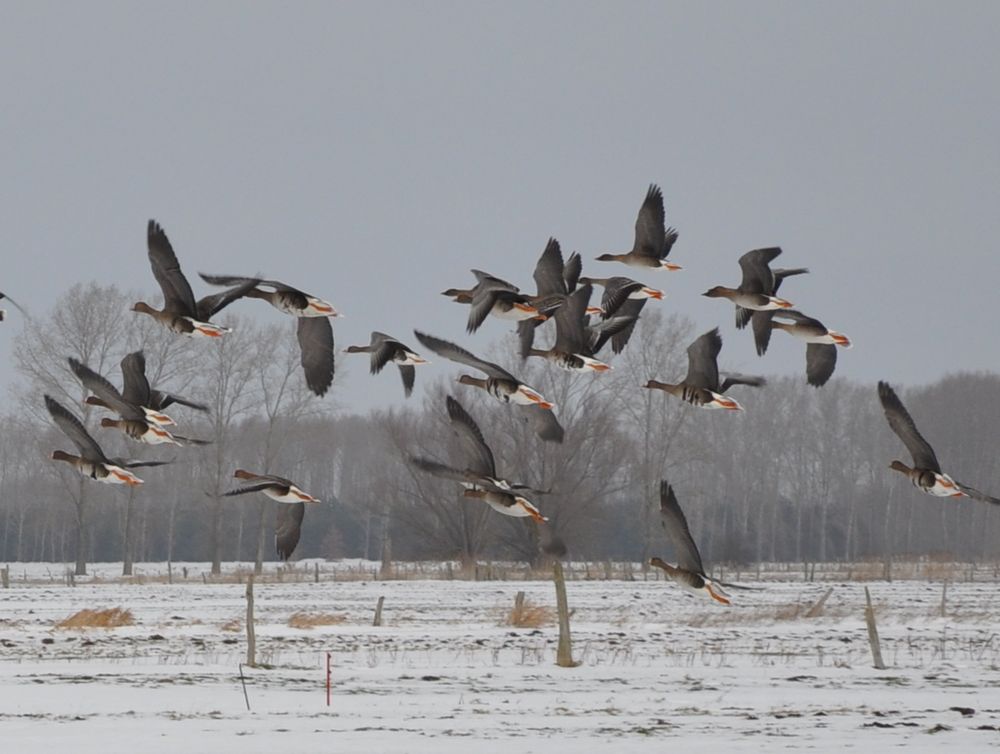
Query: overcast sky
{"points": [[371, 153]]}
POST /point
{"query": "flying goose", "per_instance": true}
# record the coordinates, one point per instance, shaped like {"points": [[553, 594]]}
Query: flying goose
{"points": [[573, 347], [501, 384], [288, 519], [136, 390], [283, 297], [623, 297], [479, 477], [689, 571], [91, 462], [275, 487], [756, 291], [653, 241], [181, 313], [134, 421], [555, 279], [385, 349], [493, 295], [926, 474], [760, 321], [701, 385], [315, 333], [821, 348], [465, 295], [618, 290]]}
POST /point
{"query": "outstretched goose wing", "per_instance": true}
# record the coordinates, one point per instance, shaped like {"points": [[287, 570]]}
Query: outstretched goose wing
{"points": [[903, 425], [676, 526]]}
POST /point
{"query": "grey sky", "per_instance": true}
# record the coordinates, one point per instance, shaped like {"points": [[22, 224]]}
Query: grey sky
{"points": [[373, 153]]}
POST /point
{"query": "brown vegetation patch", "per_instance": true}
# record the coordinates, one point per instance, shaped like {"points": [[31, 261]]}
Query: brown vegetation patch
{"points": [[527, 615], [113, 617], [311, 620], [716, 616], [231, 625], [866, 571], [786, 613], [935, 570]]}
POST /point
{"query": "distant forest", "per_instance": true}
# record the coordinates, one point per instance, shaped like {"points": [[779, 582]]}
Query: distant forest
{"points": [[801, 475]]}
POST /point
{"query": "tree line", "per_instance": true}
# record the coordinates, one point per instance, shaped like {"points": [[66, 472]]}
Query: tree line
{"points": [[801, 475]]}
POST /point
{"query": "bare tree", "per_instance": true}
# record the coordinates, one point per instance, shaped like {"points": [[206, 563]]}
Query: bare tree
{"points": [[285, 400], [88, 325], [582, 472], [227, 384], [168, 358], [653, 420], [450, 524]]}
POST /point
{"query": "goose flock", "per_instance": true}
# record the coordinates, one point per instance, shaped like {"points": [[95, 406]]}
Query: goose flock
{"points": [[582, 331]]}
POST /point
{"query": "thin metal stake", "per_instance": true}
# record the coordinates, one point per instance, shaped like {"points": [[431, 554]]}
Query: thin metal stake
{"points": [[244, 682]]}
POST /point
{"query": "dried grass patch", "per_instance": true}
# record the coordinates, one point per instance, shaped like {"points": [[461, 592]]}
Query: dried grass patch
{"points": [[114, 617], [714, 616], [786, 613], [527, 615], [233, 625], [937, 571], [866, 571], [311, 620]]}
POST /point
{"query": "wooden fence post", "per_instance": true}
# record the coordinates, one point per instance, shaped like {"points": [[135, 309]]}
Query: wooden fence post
{"points": [[817, 609], [873, 632], [564, 654], [378, 611], [251, 634]]}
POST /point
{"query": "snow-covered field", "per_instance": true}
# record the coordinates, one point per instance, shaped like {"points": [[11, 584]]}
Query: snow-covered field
{"points": [[444, 673]]}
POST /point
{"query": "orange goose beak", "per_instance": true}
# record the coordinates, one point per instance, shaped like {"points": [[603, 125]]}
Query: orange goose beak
{"points": [[533, 512], [533, 311], [535, 398], [162, 419], [715, 596], [131, 481]]}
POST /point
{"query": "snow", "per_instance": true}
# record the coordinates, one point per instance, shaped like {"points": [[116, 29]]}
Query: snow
{"points": [[444, 673]]}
